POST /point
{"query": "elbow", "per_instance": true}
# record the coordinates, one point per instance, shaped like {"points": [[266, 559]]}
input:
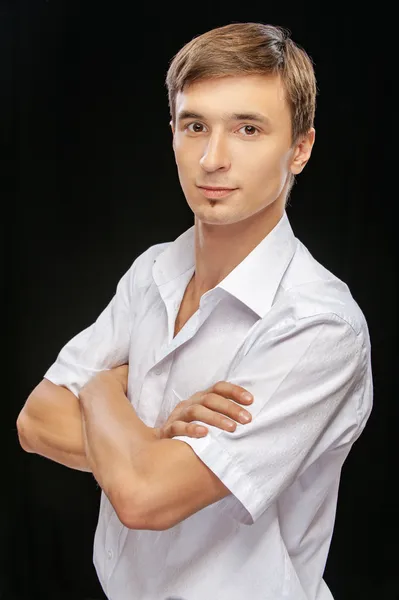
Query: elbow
{"points": [[133, 510], [125, 507], [128, 517], [22, 430], [138, 521]]}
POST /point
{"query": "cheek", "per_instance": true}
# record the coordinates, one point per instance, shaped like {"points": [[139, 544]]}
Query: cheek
{"points": [[264, 177], [184, 159], [261, 166]]}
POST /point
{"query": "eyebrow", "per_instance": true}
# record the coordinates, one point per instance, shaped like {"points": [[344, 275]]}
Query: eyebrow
{"points": [[247, 116]]}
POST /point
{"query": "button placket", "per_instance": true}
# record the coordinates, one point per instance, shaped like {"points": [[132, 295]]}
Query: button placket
{"points": [[111, 544]]}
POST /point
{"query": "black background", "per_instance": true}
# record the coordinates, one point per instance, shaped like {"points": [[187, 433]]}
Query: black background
{"points": [[86, 118]]}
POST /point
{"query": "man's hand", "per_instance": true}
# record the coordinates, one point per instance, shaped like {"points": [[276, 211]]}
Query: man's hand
{"points": [[210, 406]]}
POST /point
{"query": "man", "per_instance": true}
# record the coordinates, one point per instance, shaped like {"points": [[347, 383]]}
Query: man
{"points": [[235, 303]]}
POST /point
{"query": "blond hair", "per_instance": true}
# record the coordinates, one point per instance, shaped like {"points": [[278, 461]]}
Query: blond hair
{"points": [[248, 49]]}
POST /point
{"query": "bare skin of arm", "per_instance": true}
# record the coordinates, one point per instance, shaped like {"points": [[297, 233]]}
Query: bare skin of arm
{"points": [[50, 423]]}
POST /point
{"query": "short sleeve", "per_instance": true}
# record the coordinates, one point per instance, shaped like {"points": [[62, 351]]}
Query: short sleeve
{"points": [[103, 345], [308, 380]]}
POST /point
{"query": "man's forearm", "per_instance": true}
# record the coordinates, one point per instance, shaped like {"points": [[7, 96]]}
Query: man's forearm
{"points": [[44, 447], [113, 434], [50, 424]]}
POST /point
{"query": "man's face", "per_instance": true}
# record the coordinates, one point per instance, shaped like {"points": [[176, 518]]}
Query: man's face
{"points": [[235, 132]]}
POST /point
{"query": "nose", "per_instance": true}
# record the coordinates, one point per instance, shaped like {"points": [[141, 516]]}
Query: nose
{"points": [[215, 156]]}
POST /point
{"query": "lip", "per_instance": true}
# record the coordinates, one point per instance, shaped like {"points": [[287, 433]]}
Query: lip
{"points": [[216, 192]]}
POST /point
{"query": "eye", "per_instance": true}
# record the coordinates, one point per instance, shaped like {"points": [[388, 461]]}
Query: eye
{"points": [[195, 127], [250, 130]]}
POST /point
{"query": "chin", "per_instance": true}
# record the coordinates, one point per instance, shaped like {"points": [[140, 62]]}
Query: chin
{"points": [[214, 212], [217, 215]]}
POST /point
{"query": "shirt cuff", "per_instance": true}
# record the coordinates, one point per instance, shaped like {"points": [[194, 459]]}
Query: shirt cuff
{"points": [[71, 376]]}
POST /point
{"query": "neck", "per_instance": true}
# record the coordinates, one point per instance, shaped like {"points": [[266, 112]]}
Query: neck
{"points": [[220, 248]]}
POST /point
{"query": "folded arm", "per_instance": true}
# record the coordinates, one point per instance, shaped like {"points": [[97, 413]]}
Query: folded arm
{"points": [[101, 433], [50, 424], [122, 452], [307, 389]]}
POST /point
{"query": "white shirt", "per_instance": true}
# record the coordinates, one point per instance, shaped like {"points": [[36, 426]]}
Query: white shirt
{"points": [[286, 329]]}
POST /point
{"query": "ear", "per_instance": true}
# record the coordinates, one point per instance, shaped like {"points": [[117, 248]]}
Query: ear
{"points": [[302, 152]]}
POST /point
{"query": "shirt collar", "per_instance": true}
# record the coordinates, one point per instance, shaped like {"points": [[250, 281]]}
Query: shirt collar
{"points": [[254, 281]]}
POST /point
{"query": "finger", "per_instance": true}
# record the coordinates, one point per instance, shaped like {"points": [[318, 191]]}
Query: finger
{"points": [[233, 391], [183, 428], [199, 412], [225, 406]]}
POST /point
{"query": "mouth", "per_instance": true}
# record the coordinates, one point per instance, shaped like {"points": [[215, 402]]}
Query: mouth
{"points": [[216, 192]]}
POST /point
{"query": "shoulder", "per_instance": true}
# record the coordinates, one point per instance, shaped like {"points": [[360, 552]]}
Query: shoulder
{"points": [[309, 291], [312, 301]]}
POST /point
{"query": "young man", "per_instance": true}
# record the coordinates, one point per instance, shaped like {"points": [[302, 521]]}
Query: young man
{"points": [[235, 303]]}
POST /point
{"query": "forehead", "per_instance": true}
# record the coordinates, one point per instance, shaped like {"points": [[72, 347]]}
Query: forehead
{"points": [[235, 94]]}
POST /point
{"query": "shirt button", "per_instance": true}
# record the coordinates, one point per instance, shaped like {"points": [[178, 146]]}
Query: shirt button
{"points": [[110, 554], [158, 371]]}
